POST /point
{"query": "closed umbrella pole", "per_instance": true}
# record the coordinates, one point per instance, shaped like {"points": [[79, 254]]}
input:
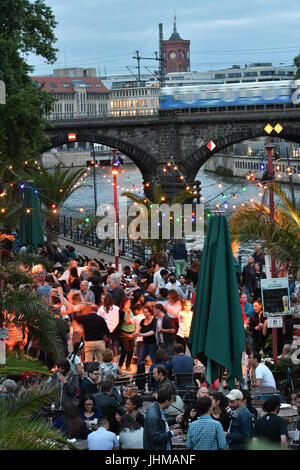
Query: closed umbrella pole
{"points": [[31, 224], [217, 332]]}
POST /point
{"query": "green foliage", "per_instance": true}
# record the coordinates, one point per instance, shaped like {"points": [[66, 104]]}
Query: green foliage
{"points": [[159, 245], [297, 64], [21, 428], [281, 237], [26, 27], [16, 365]]}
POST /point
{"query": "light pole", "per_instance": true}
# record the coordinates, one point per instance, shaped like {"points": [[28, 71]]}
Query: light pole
{"points": [[269, 150], [115, 171], [94, 177]]}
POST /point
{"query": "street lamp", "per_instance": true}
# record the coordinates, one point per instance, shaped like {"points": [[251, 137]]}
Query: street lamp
{"points": [[269, 150], [115, 171]]}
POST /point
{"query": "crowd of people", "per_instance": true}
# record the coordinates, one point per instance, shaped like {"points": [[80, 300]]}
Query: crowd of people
{"points": [[136, 324]]}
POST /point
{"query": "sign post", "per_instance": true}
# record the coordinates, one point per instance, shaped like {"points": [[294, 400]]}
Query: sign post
{"points": [[275, 303]]}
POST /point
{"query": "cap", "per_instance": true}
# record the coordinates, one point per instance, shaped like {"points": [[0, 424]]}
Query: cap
{"points": [[235, 394]]}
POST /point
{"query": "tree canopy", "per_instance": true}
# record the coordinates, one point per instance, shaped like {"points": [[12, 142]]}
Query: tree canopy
{"points": [[26, 27]]}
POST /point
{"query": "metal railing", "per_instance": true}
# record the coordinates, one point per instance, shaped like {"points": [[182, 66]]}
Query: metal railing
{"points": [[71, 228]]}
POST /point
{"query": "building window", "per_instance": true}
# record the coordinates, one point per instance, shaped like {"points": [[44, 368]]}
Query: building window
{"points": [[53, 84], [267, 72]]}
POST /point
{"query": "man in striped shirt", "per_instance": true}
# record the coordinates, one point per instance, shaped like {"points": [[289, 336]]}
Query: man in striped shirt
{"points": [[205, 433]]}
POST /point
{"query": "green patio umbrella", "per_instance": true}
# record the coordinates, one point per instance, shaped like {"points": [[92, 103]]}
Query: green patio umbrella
{"points": [[217, 333], [31, 224]]}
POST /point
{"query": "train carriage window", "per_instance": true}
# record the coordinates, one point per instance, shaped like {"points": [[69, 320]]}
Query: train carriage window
{"points": [[189, 97], [229, 95], [257, 91], [177, 96], [270, 93], [214, 95], [244, 93], [284, 91]]}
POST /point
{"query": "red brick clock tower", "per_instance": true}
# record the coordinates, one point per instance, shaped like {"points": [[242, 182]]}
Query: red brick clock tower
{"points": [[176, 53]]}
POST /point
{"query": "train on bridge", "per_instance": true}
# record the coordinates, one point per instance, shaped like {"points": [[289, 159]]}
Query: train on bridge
{"points": [[254, 96]]}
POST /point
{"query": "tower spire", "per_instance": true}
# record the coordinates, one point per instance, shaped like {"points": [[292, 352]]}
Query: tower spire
{"points": [[175, 36]]}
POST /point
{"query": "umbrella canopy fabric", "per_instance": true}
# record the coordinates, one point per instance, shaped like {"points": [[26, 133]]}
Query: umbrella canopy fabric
{"points": [[31, 224], [217, 333]]}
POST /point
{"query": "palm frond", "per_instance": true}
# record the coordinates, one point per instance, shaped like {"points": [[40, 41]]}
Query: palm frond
{"points": [[16, 365]]}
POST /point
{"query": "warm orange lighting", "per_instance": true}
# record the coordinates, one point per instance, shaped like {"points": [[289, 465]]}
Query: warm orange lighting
{"points": [[115, 171], [28, 211]]}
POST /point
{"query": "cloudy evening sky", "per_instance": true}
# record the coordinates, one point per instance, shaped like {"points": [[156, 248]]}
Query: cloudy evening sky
{"points": [[106, 33]]}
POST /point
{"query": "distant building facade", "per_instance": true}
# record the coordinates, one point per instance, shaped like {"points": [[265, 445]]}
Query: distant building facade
{"points": [[76, 96]]}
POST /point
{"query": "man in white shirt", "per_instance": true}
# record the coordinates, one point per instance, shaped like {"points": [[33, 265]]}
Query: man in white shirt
{"points": [[136, 320], [160, 279], [261, 374], [103, 439]]}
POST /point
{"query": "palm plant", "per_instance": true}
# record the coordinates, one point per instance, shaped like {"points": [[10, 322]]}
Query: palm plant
{"points": [[159, 245], [26, 309], [55, 186], [281, 237], [22, 427]]}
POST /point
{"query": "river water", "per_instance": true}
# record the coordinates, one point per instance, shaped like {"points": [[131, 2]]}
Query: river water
{"points": [[212, 187]]}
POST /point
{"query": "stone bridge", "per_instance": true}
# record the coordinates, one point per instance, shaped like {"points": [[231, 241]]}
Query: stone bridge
{"points": [[150, 141]]}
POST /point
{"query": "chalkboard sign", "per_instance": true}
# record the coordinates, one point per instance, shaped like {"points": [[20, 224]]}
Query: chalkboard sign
{"points": [[275, 296]]}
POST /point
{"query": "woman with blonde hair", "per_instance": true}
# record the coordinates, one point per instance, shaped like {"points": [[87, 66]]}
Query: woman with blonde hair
{"points": [[173, 306]]}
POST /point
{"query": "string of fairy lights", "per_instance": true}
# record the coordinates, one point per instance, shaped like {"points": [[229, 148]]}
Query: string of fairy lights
{"points": [[170, 165]]}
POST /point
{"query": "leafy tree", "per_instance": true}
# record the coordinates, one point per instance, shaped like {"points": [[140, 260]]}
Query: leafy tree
{"points": [[281, 238], [26, 27], [297, 64]]}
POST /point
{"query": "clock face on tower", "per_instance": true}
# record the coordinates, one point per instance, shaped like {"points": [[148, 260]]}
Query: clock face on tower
{"points": [[172, 55]]}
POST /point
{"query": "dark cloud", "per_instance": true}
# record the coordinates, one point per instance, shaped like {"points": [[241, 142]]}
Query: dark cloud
{"points": [[106, 33]]}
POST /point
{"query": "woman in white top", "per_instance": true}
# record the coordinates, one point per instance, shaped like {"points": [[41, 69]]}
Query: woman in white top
{"points": [[73, 264], [173, 306], [184, 322], [75, 305], [131, 433], [110, 312]]}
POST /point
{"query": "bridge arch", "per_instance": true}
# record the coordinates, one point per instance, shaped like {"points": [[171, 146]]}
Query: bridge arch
{"points": [[200, 156], [140, 157]]}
